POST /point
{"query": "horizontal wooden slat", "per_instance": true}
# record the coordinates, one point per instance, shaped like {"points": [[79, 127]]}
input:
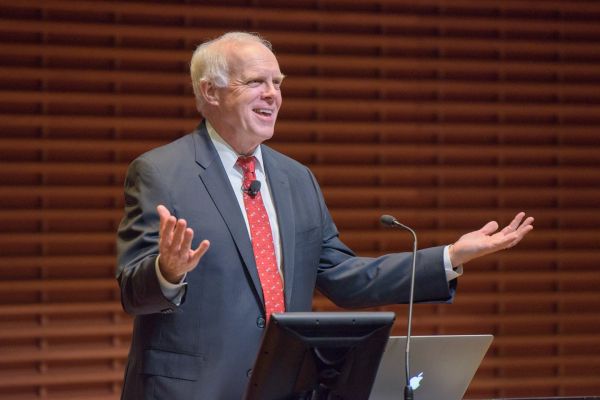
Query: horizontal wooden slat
{"points": [[59, 285], [384, 108], [343, 18], [357, 192], [503, 175], [342, 63], [310, 129], [65, 331], [383, 237], [62, 354], [481, 277], [400, 175], [64, 308], [56, 261], [543, 361], [72, 377], [368, 86], [351, 218], [9, 380], [120, 352], [533, 383], [91, 308], [570, 256], [501, 45], [522, 321]]}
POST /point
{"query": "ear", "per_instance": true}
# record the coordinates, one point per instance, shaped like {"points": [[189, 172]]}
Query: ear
{"points": [[209, 93]]}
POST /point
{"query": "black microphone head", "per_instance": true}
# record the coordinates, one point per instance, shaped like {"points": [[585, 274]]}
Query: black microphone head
{"points": [[254, 188], [388, 220]]}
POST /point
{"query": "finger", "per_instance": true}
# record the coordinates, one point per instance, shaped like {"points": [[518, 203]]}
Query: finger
{"points": [[199, 252], [163, 215], [166, 233], [186, 244], [517, 220], [489, 228], [528, 222], [178, 235], [163, 212], [167, 222], [523, 227], [514, 224], [513, 238], [521, 232]]}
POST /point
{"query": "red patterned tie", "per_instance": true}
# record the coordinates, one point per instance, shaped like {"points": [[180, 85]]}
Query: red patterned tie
{"points": [[262, 241]]}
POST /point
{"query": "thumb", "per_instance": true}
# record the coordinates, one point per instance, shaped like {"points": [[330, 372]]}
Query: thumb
{"points": [[199, 252], [489, 228]]}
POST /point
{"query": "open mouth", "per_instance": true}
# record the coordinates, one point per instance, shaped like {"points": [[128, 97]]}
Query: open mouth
{"points": [[265, 112]]}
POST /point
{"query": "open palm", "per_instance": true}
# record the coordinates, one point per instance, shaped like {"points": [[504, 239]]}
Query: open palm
{"points": [[489, 240]]}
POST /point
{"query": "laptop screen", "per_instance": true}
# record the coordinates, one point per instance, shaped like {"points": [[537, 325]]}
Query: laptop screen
{"points": [[441, 366]]}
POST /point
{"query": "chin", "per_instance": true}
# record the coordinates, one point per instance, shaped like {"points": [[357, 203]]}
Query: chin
{"points": [[265, 134]]}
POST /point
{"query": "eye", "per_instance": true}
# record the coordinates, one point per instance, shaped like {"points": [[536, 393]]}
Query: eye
{"points": [[254, 82]]}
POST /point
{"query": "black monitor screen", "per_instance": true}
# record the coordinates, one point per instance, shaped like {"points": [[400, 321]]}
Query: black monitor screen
{"points": [[320, 355]]}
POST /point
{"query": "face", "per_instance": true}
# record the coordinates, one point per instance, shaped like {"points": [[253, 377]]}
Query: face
{"points": [[247, 108]]}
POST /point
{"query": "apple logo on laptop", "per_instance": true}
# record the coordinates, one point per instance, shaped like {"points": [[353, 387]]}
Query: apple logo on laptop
{"points": [[415, 381]]}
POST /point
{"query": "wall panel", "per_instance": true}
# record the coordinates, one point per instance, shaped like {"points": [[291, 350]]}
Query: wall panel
{"points": [[443, 113]]}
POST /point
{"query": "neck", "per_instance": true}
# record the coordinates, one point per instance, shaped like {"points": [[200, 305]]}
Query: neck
{"points": [[241, 149]]}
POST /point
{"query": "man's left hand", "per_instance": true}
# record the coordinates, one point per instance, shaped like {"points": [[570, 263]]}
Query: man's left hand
{"points": [[484, 241]]}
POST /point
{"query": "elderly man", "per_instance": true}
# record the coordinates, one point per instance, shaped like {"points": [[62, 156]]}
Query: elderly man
{"points": [[220, 231]]}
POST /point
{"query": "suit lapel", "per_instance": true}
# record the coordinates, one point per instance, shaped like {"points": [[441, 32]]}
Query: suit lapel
{"points": [[215, 180], [282, 199]]}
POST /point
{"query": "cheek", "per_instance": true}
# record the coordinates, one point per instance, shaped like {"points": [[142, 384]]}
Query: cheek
{"points": [[277, 102]]}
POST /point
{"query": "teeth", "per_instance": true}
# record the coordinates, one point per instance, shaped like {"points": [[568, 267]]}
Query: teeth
{"points": [[264, 111]]}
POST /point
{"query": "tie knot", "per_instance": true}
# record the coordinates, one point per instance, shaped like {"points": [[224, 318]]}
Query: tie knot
{"points": [[246, 163]]}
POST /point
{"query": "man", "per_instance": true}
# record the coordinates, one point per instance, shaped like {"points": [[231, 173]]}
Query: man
{"points": [[201, 238]]}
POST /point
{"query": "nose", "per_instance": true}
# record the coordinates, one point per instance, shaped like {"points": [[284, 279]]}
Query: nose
{"points": [[269, 90]]}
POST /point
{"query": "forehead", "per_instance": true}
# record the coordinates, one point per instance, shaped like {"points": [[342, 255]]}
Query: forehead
{"points": [[251, 58]]}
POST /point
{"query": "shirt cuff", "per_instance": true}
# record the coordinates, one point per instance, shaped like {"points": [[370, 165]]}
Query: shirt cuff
{"points": [[172, 291], [451, 273]]}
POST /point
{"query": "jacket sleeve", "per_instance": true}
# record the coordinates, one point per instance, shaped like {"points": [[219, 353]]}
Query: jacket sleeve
{"points": [[351, 281], [137, 241]]}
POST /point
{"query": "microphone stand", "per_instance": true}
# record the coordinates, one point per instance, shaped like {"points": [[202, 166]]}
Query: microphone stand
{"points": [[391, 221]]}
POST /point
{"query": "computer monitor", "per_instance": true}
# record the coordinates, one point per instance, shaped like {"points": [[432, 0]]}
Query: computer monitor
{"points": [[319, 355]]}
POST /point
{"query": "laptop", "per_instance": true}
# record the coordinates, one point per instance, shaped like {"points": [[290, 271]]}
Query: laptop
{"points": [[441, 367]]}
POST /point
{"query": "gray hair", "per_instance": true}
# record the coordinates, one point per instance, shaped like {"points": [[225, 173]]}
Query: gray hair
{"points": [[209, 61]]}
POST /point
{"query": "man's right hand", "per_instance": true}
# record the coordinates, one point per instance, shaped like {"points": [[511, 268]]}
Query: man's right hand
{"points": [[175, 246]]}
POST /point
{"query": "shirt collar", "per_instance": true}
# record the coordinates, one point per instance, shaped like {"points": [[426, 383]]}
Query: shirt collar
{"points": [[227, 154]]}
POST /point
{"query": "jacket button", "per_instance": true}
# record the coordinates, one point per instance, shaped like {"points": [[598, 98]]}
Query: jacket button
{"points": [[261, 322]]}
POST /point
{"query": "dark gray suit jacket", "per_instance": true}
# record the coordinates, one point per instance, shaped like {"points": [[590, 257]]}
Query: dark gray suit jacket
{"points": [[204, 349]]}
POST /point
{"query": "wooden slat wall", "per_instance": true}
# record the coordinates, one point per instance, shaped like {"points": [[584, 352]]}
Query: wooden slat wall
{"points": [[444, 113]]}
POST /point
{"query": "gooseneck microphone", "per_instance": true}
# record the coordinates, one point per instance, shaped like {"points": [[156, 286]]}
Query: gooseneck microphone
{"points": [[388, 220], [253, 189]]}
